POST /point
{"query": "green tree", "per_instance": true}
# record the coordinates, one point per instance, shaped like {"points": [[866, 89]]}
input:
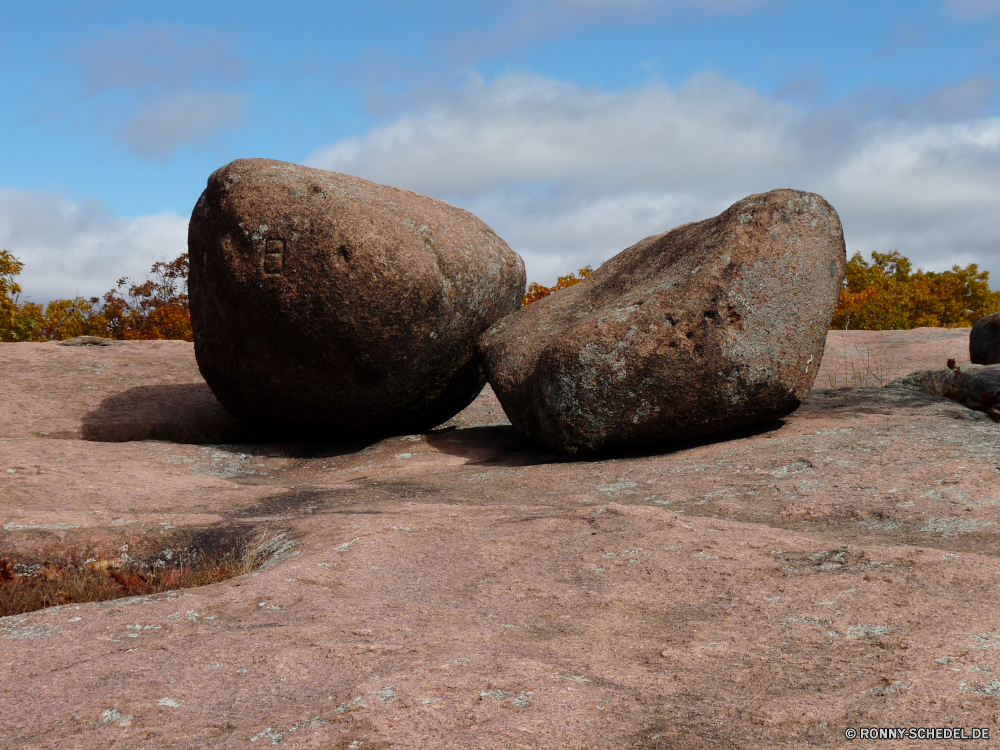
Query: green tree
{"points": [[887, 294]]}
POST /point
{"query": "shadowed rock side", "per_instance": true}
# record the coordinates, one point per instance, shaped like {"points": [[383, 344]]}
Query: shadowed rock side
{"points": [[179, 413], [712, 326], [323, 299], [984, 340], [974, 386]]}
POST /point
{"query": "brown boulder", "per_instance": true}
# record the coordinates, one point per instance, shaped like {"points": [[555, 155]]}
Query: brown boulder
{"points": [[984, 340], [320, 299], [712, 326]]}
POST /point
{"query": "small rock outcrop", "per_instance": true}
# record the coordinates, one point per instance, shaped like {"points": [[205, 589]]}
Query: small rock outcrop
{"points": [[89, 341], [974, 386], [984, 340], [321, 299], [713, 326]]}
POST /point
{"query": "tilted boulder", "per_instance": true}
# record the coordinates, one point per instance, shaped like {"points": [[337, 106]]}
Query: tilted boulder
{"points": [[713, 326], [984, 340], [327, 300]]}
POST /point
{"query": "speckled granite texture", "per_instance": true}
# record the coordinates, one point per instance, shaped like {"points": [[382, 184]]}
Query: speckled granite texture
{"points": [[466, 589]]}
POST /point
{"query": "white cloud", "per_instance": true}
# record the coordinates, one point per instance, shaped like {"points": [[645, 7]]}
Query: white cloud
{"points": [[71, 249], [966, 98], [584, 232], [181, 119], [972, 8], [156, 56], [929, 191], [161, 86], [528, 128], [570, 176]]}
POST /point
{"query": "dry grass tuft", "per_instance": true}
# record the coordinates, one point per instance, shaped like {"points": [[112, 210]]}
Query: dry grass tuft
{"points": [[26, 588], [866, 366]]}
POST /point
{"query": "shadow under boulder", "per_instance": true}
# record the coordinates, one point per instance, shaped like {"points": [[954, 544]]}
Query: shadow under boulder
{"points": [[187, 413]]}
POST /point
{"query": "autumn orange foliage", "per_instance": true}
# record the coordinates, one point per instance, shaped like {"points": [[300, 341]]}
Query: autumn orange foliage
{"points": [[156, 308], [536, 291], [887, 294]]}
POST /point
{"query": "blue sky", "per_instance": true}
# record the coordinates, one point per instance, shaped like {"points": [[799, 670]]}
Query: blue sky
{"points": [[573, 127]]}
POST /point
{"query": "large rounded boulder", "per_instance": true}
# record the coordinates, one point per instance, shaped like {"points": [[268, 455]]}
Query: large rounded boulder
{"points": [[327, 301], [984, 340], [715, 325]]}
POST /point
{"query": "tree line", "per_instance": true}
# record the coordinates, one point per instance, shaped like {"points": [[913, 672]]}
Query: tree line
{"points": [[887, 294], [884, 294], [156, 308]]}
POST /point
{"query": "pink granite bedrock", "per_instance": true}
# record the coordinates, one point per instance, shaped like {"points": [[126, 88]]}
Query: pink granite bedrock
{"points": [[462, 588]]}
